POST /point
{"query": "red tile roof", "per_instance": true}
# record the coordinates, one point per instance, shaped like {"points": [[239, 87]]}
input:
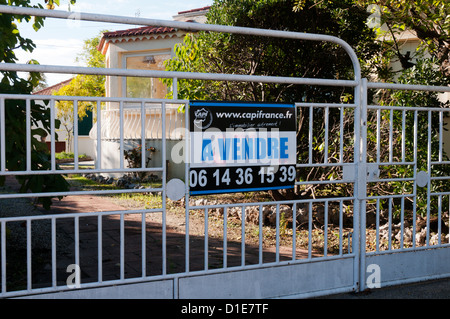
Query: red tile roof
{"points": [[195, 10], [142, 31], [138, 31], [54, 88], [149, 29]]}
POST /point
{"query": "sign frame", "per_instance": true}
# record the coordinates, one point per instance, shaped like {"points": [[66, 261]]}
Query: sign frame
{"points": [[241, 147]]}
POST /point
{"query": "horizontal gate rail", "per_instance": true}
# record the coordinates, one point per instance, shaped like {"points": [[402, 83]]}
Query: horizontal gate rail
{"points": [[98, 101], [184, 26], [409, 87], [172, 74]]}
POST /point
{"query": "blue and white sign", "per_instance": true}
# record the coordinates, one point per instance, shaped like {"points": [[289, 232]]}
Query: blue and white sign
{"points": [[238, 147]]}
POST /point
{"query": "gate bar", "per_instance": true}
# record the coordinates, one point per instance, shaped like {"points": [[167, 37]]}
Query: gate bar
{"points": [[2, 135], [12, 67], [413, 87], [362, 185], [184, 26]]}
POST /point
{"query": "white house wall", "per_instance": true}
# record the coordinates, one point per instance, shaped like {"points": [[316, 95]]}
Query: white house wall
{"points": [[133, 45], [86, 146], [110, 156], [132, 123]]}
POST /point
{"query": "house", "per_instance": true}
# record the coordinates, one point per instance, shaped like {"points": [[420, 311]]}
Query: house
{"points": [[143, 48], [85, 144]]}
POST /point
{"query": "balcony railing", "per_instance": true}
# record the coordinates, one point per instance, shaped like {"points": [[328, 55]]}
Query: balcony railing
{"points": [[140, 119]]}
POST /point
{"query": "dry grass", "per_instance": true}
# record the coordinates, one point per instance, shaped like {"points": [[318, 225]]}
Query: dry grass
{"points": [[335, 240]]}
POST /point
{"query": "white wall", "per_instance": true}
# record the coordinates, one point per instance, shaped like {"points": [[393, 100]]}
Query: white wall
{"points": [[110, 156], [117, 50], [85, 146]]}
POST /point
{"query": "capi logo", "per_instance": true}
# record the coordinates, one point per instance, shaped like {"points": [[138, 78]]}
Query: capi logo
{"points": [[203, 118]]}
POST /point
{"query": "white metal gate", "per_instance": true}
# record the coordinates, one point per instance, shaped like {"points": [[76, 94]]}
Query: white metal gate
{"points": [[412, 243], [312, 247]]}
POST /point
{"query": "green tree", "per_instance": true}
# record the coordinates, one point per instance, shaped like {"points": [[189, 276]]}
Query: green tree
{"points": [[15, 114], [240, 54], [424, 72], [429, 19], [187, 59], [249, 55]]}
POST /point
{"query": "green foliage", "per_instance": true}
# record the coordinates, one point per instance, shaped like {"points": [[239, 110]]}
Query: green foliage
{"points": [[239, 54], [15, 110], [134, 158], [346, 19], [429, 19], [187, 59], [211, 52], [425, 72], [90, 54], [65, 155]]}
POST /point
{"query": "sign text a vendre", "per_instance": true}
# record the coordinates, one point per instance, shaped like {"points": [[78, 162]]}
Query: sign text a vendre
{"points": [[241, 147]]}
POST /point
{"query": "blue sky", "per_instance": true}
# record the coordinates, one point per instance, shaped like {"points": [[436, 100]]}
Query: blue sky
{"points": [[59, 41]]}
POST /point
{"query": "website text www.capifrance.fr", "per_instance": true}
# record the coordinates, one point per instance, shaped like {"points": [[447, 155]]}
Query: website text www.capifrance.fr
{"points": [[260, 114]]}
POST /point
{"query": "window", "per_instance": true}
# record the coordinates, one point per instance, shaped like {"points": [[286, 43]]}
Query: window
{"points": [[146, 87]]}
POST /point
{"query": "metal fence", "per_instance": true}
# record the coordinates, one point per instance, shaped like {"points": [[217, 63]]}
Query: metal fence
{"points": [[137, 121], [406, 185], [202, 247]]}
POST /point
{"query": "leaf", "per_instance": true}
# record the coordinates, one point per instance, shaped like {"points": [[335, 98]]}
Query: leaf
{"points": [[39, 131]]}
